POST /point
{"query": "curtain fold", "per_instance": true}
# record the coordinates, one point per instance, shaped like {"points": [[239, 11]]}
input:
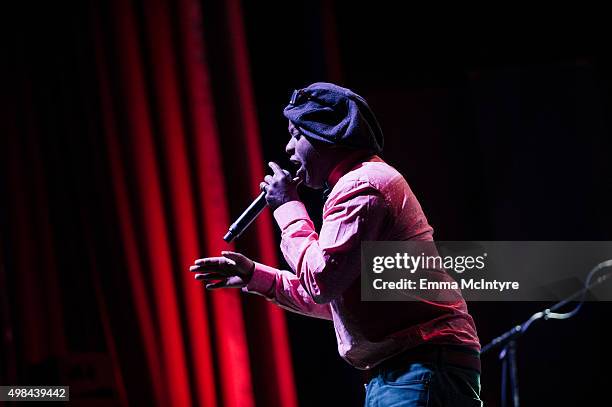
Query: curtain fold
{"points": [[276, 357], [116, 173], [129, 236]]}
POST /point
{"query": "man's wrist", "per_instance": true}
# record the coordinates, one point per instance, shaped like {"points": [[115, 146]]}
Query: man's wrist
{"points": [[278, 203], [289, 212], [249, 275], [262, 279]]}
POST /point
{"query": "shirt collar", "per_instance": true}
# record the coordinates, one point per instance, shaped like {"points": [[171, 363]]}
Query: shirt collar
{"points": [[347, 164]]}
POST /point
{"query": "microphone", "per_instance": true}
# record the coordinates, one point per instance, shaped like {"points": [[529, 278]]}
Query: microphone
{"points": [[247, 217]]}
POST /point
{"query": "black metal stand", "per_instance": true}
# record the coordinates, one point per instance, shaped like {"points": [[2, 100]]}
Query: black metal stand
{"points": [[508, 358], [509, 339]]}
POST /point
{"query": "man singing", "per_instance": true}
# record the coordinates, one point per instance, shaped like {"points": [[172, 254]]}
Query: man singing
{"points": [[415, 353]]}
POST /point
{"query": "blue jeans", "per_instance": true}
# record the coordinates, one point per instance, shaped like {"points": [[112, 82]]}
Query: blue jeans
{"points": [[424, 384]]}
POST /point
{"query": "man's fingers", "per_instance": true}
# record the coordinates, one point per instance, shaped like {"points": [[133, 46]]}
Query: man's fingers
{"points": [[268, 179], [213, 286], [236, 257], [214, 264], [210, 276], [276, 168]]}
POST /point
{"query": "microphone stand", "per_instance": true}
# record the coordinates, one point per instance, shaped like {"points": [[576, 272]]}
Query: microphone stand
{"points": [[508, 340]]}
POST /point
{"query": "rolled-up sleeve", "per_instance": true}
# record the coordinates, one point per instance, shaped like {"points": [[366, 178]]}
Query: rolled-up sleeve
{"points": [[326, 264]]}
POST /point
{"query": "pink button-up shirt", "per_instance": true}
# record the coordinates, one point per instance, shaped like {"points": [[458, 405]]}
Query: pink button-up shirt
{"points": [[370, 200]]}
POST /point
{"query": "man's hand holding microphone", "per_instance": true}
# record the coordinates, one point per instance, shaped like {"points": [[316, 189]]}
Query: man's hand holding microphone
{"points": [[234, 270]]}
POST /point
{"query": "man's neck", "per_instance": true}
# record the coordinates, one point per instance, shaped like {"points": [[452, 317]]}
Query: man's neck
{"points": [[345, 163]]}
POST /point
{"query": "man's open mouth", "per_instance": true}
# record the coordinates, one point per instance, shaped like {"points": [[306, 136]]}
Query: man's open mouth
{"points": [[300, 168]]}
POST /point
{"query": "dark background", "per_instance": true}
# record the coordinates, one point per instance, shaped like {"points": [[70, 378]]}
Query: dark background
{"points": [[499, 118]]}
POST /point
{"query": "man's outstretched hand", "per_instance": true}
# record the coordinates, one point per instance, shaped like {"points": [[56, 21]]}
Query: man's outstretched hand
{"points": [[232, 270]]}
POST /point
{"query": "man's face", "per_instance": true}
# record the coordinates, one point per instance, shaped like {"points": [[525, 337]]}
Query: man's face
{"points": [[313, 165]]}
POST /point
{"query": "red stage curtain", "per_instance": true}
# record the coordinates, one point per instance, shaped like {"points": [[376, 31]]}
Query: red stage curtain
{"points": [[117, 176]]}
